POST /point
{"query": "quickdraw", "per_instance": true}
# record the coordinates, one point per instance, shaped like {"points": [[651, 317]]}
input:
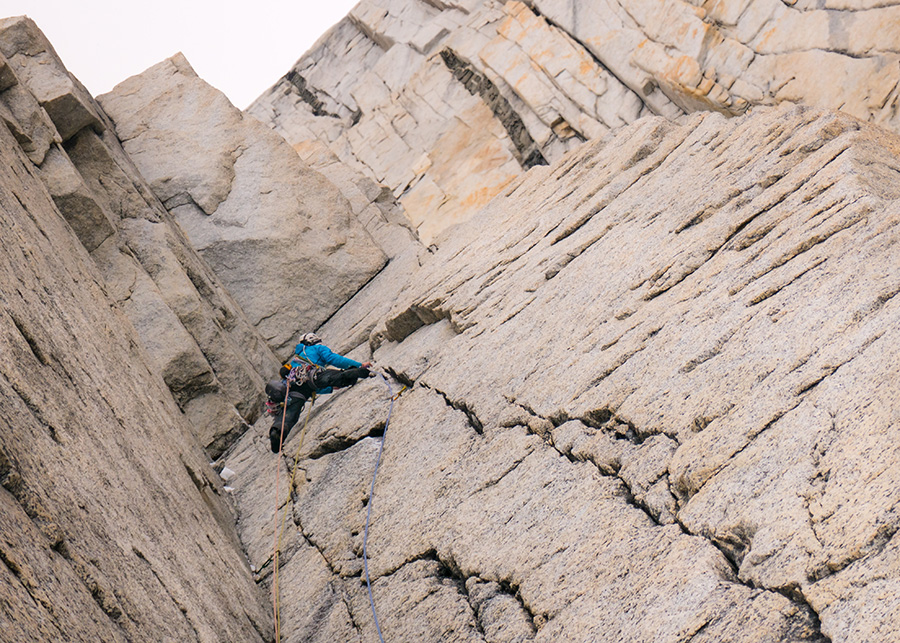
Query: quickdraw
{"points": [[306, 372]]}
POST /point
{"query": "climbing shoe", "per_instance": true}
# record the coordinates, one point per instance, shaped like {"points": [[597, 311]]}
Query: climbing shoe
{"points": [[275, 439]]}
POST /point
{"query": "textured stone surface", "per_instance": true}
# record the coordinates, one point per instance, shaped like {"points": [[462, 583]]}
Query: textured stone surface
{"points": [[196, 335], [549, 74], [373, 204], [654, 402], [34, 60], [114, 527], [244, 198], [89, 220], [23, 116], [652, 386]]}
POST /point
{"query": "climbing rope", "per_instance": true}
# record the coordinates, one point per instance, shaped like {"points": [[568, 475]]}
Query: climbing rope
{"points": [[287, 393], [372, 502], [279, 530]]}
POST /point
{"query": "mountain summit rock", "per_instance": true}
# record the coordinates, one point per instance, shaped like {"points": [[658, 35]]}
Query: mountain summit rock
{"points": [[629, 274]]}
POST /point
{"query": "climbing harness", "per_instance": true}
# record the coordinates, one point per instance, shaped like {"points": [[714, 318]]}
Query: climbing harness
{"points": [[306, 373], [372, 501], [279, 530], [307, 370]]}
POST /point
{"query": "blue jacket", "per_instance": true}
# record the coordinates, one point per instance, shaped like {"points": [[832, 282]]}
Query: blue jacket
{"points": [[321, 355]]}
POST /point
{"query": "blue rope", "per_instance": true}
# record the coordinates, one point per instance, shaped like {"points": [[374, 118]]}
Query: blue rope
{"points": [[371, 502]]}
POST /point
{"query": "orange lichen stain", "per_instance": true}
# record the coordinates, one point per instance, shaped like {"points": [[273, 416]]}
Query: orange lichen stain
{"points": [[691, 31], [515, 8], [765, 37], [599, 41], [479, 197], [423, 197], [685, 71], [304, 146], [528, 19], [544, 54], [705, 86], [586, 68], [505, 27], [522, 81]]}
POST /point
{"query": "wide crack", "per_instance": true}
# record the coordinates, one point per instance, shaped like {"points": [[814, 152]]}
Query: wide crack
{"points": [[299, 85], [479, 593], [807, 628], [526, 150], [461, 406], [338, 443]]}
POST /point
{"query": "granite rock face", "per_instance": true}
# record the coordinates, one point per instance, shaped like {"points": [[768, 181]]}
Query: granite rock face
{"points": [[123, 357], [448, 101], [281, 237], [198, 338], [649, 388], [113, 526], [655, 402]]}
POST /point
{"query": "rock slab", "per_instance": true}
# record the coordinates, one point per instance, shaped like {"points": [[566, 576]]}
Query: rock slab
{"points": [[282, 238], [114, 526], [448, 102], [651, 399], [200, 341]]}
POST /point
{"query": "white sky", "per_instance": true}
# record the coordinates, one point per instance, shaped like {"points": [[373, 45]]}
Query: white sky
{"points": [[240, 51]]}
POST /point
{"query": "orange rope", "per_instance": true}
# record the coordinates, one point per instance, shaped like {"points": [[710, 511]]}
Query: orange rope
{"points": [[277, 499], [279, 531]]}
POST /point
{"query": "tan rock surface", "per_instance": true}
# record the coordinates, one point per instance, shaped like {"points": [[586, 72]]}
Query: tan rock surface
{"points": [[652, 385], [553, 73], [114, 527], [34, 61], [244, 198], [653, 390], [196, 335]]}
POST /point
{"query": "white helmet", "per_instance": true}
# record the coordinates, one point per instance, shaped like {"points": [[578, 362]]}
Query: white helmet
{"points": [[310, 338]]}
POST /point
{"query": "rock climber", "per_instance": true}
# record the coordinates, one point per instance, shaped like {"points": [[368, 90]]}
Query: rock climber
{"points": [[308, 375]]}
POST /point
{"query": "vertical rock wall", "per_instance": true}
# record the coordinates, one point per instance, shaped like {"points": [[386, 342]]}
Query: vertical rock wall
{"points": [[198, 338], [652, 398], [446, 102], [113, 527], [281, 237], [652, 385]]}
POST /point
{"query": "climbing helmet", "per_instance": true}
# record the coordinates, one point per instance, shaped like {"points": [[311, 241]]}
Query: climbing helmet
{"points": [[310, 338]]}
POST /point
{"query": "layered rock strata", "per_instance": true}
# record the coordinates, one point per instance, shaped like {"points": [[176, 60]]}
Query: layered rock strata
{"points": [[211, 357], [113, 527], [281, 237], [446, 102], [652, 398]]}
